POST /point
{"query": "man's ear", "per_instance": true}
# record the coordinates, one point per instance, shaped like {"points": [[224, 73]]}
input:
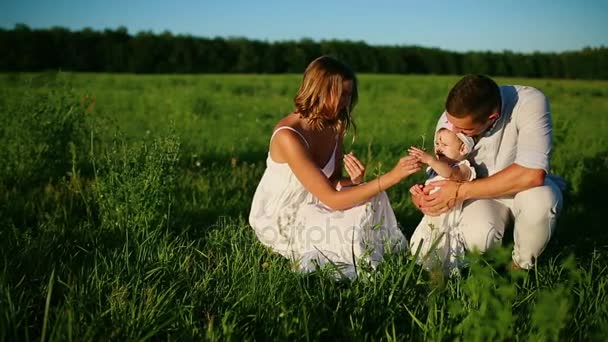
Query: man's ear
{"points": [[494, 116]]}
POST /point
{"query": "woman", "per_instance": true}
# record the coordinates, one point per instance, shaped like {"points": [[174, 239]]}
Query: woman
{"points": [[302, 208]]}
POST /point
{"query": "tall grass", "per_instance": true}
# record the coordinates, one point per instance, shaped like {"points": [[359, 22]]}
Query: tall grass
{"points": [[123, 205]]}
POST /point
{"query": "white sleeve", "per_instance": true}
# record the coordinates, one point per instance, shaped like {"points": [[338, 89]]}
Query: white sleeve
{"points": [[472, 174], [534, 128]]}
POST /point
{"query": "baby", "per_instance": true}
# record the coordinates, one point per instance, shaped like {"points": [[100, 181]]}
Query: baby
{"points": [[438, 238]]}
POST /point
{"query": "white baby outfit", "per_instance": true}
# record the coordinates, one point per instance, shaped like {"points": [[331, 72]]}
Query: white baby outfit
{"points": [[439, 239]]}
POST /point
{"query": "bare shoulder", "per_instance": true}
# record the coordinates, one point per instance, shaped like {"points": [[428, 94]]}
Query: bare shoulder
{"points": [[290, 120], [286, 142]]}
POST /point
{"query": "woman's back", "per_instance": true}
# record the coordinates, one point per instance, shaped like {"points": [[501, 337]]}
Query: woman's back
{"points": [[280, 193], [302, 208]]}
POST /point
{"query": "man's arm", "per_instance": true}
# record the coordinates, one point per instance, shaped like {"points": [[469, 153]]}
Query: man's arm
{"points": [[515, 178], [509, 181], [534, 144]]}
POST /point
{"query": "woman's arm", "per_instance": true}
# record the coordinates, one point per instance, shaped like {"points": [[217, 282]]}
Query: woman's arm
{"points": [[290, 147]]}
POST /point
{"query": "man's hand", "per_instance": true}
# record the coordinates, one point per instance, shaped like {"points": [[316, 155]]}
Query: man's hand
{"points": [[420, 155], [442, 200]]}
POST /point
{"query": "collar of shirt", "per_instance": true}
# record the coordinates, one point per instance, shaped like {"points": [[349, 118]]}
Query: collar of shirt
{"points": [[492, 128], [488, 132]]}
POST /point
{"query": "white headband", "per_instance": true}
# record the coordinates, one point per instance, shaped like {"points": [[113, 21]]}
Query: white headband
{"points": [[468, 142]]}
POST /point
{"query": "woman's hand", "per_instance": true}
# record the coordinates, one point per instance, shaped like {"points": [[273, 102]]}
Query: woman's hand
{"points": [[407, 166], [421, 155], [355, 168]]}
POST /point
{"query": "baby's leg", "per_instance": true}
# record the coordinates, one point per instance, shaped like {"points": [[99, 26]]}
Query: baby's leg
{"points": [[428, 241]]}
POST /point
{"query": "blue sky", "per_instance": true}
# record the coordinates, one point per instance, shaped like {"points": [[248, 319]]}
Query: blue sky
{"points": [[464, 25]]}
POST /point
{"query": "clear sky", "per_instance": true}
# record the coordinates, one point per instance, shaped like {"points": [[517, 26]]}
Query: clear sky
{"points": [[524, 26]]}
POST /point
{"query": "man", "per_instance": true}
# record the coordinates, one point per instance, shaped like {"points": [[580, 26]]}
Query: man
{"points": [[511, 126]]}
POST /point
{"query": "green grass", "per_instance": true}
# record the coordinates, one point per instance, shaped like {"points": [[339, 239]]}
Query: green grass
{"points": [[123, 206]]}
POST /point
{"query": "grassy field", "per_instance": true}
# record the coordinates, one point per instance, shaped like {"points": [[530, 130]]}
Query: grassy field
{"points": [[124, 202]]}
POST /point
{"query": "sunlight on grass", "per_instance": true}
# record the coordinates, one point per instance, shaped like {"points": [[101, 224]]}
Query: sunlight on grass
{"points": [[123, 206]]}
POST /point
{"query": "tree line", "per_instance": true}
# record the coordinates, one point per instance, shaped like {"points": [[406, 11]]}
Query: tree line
{"points": [[115, 50]]}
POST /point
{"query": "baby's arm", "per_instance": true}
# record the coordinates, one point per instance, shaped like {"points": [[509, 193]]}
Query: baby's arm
{"points": [[441, 167], [461, 172]]}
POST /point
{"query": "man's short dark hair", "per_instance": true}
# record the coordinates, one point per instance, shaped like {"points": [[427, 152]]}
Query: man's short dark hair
{"points": [[474, 95]]}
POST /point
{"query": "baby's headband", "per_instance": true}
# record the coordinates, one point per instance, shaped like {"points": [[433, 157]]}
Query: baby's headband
{"points": [[468, 142]]}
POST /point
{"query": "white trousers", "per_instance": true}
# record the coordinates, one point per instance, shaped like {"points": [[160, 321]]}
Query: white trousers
{"points": [[534, 212]]}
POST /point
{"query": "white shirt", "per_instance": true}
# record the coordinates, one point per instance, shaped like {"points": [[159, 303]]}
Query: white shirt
{"points": [[522, 135]]}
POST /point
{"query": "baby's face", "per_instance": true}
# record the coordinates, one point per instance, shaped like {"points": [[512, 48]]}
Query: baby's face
{"points": [[448, 145]]}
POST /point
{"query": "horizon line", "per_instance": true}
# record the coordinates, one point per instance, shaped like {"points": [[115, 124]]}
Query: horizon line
{"points": [[308, 39]]}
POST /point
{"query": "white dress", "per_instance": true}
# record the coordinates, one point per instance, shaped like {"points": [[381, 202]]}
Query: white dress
{"points": [[439, 238], [294, 223]]}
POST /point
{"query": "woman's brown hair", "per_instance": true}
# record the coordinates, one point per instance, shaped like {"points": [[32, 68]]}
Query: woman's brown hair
{"points": [[320, 93]]}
